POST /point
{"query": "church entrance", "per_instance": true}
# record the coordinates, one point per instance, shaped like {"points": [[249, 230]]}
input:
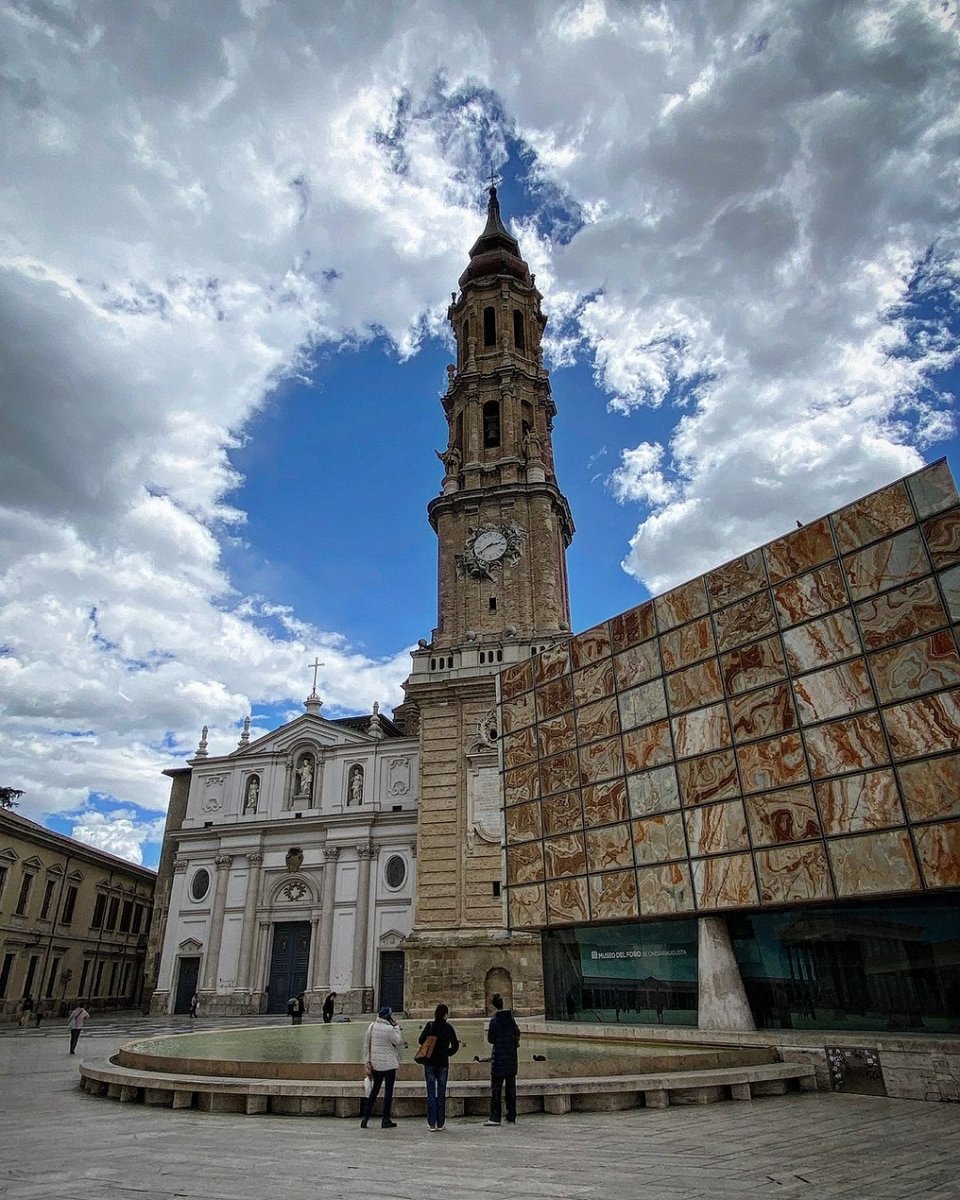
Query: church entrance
{"points": [[391, 979], [288, 963], [188, 974]]}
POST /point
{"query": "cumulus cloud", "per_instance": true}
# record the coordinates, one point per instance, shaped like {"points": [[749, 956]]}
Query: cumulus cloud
{"points": [[118, 832], [197, 197]]}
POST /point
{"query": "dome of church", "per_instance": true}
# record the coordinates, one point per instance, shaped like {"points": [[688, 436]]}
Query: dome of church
{"points": [[496, 251]]}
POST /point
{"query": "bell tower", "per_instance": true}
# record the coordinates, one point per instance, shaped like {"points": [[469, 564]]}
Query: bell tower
{"points": [[503, 527]]}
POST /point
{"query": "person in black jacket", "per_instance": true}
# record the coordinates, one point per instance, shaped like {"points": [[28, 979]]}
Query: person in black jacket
{"points": [[503, 1034], [437, 1066]]}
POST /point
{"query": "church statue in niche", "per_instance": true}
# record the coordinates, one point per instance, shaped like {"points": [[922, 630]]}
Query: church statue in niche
{"points": [[304, 776], [355, 785], [252, 797]]}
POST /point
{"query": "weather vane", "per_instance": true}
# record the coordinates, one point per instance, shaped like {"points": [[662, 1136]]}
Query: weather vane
{"points": [[494, 177]]}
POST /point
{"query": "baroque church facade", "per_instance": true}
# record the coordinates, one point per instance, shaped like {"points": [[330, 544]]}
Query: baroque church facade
{"points": [[364, 855]]}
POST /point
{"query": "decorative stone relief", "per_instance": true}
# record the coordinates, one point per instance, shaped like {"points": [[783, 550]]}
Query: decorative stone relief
{"points": [[294, 859], [294, 891], [212, 800], [399, 777]]}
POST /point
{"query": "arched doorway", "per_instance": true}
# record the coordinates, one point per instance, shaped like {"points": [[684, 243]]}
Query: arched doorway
{"points": [[498, 980]]}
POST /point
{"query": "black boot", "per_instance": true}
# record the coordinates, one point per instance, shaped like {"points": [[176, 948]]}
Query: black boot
{"points": [[386, 1123]]}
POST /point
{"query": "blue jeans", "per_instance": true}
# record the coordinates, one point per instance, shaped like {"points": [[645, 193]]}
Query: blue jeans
{"points": [[436, 1078]]}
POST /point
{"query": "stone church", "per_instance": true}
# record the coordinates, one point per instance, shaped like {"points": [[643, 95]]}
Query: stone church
{"points": [[364, 855]]}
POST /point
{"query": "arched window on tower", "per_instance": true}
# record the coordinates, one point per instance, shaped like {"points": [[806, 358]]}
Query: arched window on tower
{"points": [[491, 424], [519, 339], [464, 341], [489, 326]]}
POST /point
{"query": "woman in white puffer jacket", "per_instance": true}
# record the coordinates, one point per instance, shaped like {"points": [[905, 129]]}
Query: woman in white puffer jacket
{"points": [[381, 1053]]}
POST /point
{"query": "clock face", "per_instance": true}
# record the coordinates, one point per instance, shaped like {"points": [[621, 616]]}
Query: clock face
{"points": [[490, 546]]}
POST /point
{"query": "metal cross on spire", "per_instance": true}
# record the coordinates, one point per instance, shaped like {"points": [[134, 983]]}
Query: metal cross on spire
{"points": [[315, 666], [494, 177]]}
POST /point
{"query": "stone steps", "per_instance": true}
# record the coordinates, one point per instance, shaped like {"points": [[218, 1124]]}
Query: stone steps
{"points": [[338, 1098]]}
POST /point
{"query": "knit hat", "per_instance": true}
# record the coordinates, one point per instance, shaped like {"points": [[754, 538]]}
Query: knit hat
{"points": [[385, 1012]]}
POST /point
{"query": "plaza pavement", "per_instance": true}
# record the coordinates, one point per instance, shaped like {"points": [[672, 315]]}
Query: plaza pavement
{"points": [[56, 1143]]}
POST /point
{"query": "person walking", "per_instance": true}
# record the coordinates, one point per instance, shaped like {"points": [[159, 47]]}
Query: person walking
{"points": [[503, 1034], [75, 1024], [440, 1039], [26, 1011], [194, 1005], [381, 1053], [296, 1007], [327, 1010]]}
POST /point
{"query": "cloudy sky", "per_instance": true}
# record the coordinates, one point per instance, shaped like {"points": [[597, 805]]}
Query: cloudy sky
{"points": [[228, 233]]}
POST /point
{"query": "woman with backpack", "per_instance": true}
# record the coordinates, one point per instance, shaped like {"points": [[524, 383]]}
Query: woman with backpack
{"points": [[438, 1041]]}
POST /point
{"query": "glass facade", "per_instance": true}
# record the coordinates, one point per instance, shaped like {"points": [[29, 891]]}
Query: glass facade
{"points": [[632, 974], [882, 966]]}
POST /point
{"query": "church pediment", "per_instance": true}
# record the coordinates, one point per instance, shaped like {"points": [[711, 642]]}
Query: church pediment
{"points": [[190, 946], [391, 940], [306, 730]]}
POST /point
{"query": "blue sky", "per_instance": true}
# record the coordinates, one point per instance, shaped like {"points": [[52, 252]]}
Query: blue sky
{"points": [[229, 240]]}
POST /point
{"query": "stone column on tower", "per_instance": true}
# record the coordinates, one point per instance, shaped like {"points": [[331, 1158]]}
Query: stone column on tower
{"points": [[330, 856], [222, 863], [254, 863]]}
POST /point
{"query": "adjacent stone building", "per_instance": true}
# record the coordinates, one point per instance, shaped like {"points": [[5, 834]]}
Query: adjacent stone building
{"points": [[73, 922]]}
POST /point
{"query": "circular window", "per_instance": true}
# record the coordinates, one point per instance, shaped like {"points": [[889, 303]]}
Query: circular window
{"points": [[396, 871], [200, 884]]}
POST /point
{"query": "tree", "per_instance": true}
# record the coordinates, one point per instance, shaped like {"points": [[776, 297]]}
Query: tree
{"points": [[9, 797]]}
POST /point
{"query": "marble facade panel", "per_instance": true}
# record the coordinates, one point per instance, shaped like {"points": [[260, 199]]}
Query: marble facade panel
{"points": [[901, 614], [696, 685], [688, 644], [700, 731], [664, 889], [554, 697], [950, 585], [745, 621], [872, 517], [562, 814], [726, 881], [528, 908], [564, 855], [551, 663], [859, 802], [556, 734], [931, 788], [763, 713], [516, 678], [844, 746], [792, 874], [653, 791], [605, 803], [523, 822], [657, 839], [682, 604], [785, 816], [713, 777], [567, 901], [938, 848], [924, 726], [642, 704], [822, 642], [635, 625], [525, 863], [888, 564], [916, 667], [593, 683], [834, 691], [598, 720], [799, 551], [874, 862], [636, 665], [520, 784], [601, 760], [647, 747], [590, 646], [736, 579], [776, 762], [753, 666], [942, 536], [517, 713], [561, 773], [716, 828], [520, 747], [613, 896], [933, 489], [812, 595], [609, 848]]}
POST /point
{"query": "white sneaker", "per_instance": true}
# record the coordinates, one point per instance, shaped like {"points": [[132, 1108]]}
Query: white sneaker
{"points": [[432, 1128], [491, 1122]]}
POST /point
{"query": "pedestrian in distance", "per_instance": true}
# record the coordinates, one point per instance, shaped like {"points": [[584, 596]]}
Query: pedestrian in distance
{"points": [[75, 1024], [327, 1010], [438, 1041], [503, 1034], [26, 1011], [381, 1054], [296, 1007], [194, 1006]]}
